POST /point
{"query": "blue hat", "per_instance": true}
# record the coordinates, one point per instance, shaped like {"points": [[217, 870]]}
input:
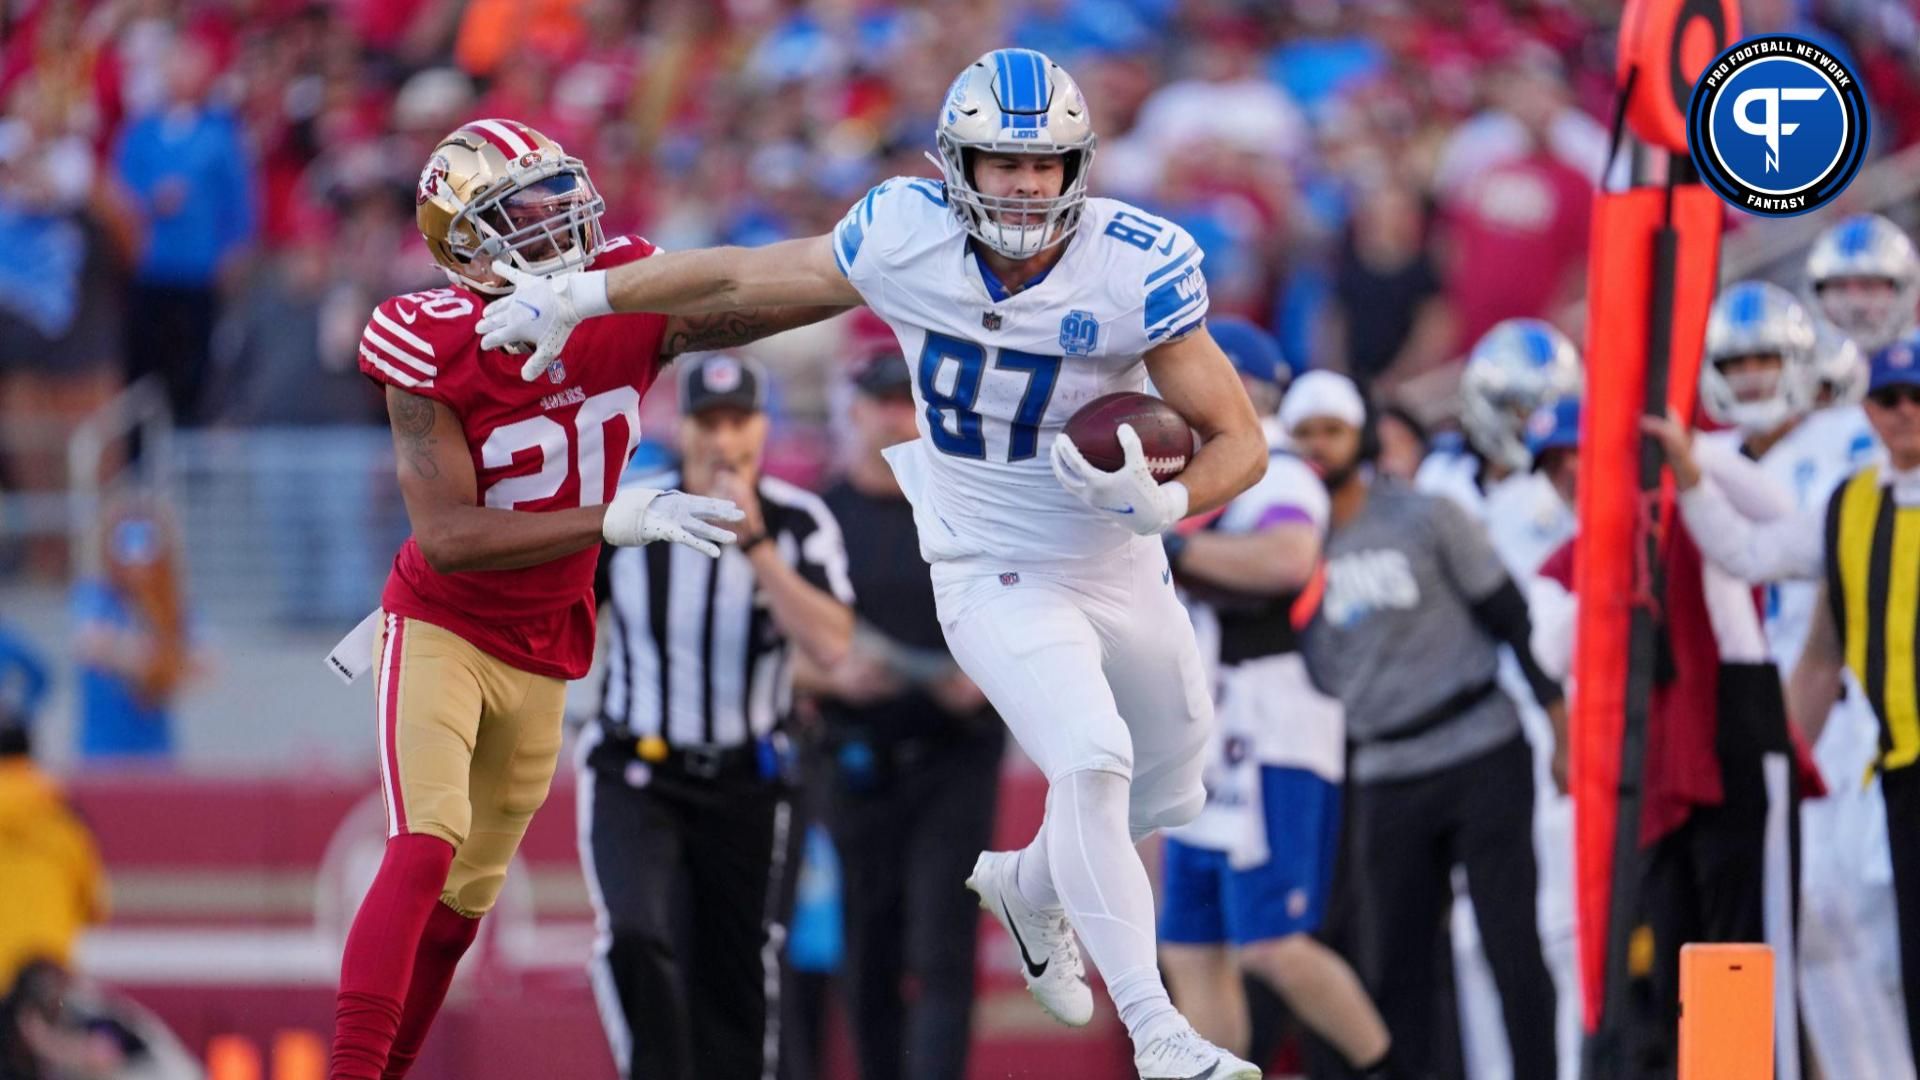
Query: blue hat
{"points": [[1555, 427], [1254, 352], [1896, 365]]}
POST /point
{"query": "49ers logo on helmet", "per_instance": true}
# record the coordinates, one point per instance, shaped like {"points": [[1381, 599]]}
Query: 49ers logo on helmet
{"points": [[530, 159], [431, 178]]}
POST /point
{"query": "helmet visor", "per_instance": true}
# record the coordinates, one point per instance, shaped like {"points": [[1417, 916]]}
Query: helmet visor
{"points": [[540, 221]]}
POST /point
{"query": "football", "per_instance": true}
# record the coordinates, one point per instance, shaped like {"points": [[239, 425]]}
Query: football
{"points": [[1164, 435]]}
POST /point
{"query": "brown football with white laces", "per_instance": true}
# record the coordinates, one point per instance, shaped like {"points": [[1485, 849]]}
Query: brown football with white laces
{"points": [[1165, 438]]}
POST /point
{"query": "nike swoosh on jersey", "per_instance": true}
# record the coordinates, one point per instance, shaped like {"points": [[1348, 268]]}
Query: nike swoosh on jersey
{"points": [[406, 316], [1166, 247], [1118, 509], [1033, 970]]}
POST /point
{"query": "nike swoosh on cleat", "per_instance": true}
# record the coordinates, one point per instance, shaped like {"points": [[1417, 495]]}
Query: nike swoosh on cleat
{"points": [[1034, 970], [1118, 509]]}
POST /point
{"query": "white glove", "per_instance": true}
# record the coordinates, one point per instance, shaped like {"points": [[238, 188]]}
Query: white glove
{"points": [[541, 311], [640, 515], [1130, 494]]}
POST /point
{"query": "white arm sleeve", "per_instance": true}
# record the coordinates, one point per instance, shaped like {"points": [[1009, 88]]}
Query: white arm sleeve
{"points": [[1753, 494], [1784, 548]]}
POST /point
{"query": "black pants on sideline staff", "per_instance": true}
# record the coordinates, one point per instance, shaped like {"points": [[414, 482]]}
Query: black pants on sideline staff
{"points": [[692, 879], [1709, 879], [1901, 790], [1408, 836], [907, 838]]}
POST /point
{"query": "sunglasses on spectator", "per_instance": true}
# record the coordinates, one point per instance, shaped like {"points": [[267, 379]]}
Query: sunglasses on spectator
{"points": [[1890, 397]]}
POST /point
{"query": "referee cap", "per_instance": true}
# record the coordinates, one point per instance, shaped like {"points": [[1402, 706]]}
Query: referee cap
{"points": [[722, 380]]}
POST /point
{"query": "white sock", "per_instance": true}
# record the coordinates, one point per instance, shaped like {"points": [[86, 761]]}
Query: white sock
{"points": [[1103, 885], [1032, 877]]}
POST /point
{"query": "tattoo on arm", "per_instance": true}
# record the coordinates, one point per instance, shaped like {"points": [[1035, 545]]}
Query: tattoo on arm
{"points": [[719, 330], [413, 430]]}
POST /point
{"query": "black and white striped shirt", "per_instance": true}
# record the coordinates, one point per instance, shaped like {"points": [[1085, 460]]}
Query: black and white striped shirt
{"points": [[693, 654]]}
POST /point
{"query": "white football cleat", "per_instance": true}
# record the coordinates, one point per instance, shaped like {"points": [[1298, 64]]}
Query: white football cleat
{"points": [[1184, 1055], [1049, 956]]}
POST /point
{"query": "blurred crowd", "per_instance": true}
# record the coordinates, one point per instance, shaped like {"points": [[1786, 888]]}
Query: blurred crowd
{"points": [[231, 179], [217, 192]]}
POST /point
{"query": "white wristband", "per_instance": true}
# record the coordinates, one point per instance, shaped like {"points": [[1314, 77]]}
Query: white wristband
{"points": [[590, 294], [1177, 498]]}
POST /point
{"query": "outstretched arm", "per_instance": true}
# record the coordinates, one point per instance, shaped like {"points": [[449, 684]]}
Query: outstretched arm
{"points": [[798, 272], [542, 312], [731, 329]]}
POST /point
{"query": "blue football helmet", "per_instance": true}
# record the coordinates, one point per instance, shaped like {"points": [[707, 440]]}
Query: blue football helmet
{"points": [[1517, 368], [1871, 248], [1015, 101]]}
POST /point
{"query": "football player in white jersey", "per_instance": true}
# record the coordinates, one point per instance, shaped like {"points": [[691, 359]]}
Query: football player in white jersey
{"points": [[1516, 370], [1017, 299]]}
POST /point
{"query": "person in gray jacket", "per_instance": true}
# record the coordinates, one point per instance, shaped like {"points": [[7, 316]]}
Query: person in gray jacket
{"points": [[1407, 635]]}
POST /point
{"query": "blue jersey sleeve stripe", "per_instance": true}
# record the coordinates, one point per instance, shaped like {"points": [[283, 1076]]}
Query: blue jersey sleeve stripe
{"points": [[847, 240], [1169, 301], [1172, 267], [1189, 310], [1169, 335], [930, 191], [866, 206]]}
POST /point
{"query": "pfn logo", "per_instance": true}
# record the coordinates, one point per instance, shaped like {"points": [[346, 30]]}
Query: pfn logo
{"points": [[1777, 125], [1769, 127]]}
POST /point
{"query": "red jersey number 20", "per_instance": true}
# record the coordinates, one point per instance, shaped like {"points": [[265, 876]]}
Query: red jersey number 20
{"points": [[550, 438]]}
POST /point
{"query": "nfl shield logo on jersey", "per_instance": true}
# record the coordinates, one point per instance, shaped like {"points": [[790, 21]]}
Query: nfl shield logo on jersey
{"points": [[1079, 332], [557, 372], [990, 320], [1009, 577]]}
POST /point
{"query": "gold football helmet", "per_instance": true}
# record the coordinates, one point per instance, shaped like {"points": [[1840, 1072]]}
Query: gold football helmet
{"points": [[499, 189]]}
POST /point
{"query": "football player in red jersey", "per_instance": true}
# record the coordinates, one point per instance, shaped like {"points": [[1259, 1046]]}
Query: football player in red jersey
{"points": [[510, 487]]}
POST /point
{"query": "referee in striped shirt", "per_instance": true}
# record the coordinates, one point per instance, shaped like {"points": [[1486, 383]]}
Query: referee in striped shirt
{"points": [[685, 814]]}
